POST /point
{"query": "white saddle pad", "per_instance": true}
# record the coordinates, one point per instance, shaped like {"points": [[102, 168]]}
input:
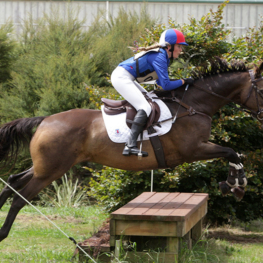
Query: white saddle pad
{"points": [[118, 130]]}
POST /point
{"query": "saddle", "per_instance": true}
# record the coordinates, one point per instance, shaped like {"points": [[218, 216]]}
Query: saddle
{"points": [[114, 107]]}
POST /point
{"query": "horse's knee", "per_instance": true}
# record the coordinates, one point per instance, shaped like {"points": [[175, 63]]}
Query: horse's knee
{"points": [[233, 157]]}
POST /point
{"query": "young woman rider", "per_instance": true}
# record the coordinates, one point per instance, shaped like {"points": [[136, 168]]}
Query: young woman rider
{"points": [[150, 64]]}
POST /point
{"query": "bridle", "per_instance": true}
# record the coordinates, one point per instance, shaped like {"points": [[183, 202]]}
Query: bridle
{"points": [[257, 92]]}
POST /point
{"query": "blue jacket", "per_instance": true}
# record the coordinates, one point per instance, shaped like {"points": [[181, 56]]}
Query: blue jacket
{"points": [[150, 62]]}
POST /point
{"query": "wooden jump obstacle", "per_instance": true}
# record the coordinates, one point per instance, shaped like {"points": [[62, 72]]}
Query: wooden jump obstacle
{"points": [[164, 216], [156, 220]]}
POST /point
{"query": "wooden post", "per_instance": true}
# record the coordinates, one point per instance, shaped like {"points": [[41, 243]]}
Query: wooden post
{"points": [[188, 240], [112, 233], [172, 247], [197, 231]]}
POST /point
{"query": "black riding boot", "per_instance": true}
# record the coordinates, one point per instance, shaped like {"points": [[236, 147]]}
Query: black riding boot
{"points": [[137, 127]]}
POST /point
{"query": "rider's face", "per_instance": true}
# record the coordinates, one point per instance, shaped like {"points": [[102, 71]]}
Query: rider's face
{"points": [[177, 50]]}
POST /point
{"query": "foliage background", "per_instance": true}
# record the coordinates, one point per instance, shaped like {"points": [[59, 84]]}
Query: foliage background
{"points": [[57, 66]]}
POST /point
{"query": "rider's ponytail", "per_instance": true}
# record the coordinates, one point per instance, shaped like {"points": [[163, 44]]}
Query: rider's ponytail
{"points": [[156, 45]]}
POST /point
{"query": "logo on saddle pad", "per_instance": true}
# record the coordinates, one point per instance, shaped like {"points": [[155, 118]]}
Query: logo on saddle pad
{"points": [[117, 132]]}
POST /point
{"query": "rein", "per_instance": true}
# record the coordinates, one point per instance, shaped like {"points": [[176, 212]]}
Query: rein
{"points": [[189, 109]]}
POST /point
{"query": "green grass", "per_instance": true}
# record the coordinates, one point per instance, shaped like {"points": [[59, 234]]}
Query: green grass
{"points": [[212, 251], [241, 243], [33, 239]]}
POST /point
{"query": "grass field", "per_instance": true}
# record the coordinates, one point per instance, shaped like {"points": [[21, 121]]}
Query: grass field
{"points": [[237, 244], [34, 239]]}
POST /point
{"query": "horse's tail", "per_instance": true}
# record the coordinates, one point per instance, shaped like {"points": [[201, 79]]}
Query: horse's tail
{"points": [[16, 134]]}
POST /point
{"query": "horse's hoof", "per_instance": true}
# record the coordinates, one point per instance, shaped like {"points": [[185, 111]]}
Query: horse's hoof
{"points": [[224, 188], [238, 193]]}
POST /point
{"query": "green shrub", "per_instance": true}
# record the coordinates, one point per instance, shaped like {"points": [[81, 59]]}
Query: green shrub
{"points": [[249, 47], [52, 65], [111, 39], [66, 194], [7, 51]]}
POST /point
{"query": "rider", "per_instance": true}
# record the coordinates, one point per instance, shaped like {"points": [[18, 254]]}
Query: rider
{"points": [[150, 64]]}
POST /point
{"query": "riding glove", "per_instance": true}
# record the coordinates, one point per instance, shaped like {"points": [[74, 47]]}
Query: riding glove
{"points": [[189, 81]]}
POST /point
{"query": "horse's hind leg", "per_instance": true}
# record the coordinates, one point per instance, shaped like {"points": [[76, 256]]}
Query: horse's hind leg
{"points": [[34, 186], [16, 181]]}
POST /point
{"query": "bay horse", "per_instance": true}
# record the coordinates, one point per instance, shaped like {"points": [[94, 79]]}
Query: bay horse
{"points": [[62, 140]]}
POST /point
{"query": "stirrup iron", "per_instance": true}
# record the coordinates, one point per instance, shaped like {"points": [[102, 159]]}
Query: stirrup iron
{"points": [[140, 152]]}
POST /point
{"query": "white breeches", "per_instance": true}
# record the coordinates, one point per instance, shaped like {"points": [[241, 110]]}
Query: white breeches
{"points": [[129, 89]]}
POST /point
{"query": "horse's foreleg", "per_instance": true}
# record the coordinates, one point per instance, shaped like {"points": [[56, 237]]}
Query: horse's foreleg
{"points": [[34, 186], [236, 178], [208, 150], [16, 181]]}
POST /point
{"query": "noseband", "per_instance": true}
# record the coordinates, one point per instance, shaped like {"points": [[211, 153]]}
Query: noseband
{"points": [[258, 92]]}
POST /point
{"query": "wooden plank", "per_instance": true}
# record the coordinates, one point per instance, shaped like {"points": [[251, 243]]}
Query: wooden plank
{"points": [[133, 203], [161, 204], [147, 204], [145, 228], [173, 205], [189, 206]]}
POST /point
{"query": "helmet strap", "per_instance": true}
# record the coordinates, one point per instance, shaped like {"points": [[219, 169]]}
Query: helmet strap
{"points": [[172, 51]]}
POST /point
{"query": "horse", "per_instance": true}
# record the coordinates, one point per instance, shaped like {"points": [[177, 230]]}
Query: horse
{"points": [[60, 141]]}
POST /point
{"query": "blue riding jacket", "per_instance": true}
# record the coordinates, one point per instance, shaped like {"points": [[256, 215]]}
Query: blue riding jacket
{"points": [[150, 62]]}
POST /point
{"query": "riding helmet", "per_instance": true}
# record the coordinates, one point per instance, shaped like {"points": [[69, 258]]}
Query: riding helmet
{"points": [[172, 36]]}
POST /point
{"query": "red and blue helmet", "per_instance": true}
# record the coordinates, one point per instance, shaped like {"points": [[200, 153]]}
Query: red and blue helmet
{"points": [[172, 36]]}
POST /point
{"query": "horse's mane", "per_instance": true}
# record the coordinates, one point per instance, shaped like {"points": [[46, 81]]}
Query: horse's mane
{"points": [[217, 66]]}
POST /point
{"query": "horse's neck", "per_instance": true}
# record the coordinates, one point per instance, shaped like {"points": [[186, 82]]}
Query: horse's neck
{"points": [[226, 85]]}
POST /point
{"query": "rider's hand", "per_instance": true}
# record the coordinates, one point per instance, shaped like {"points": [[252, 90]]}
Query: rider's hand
{"points": [[188, 81]]}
